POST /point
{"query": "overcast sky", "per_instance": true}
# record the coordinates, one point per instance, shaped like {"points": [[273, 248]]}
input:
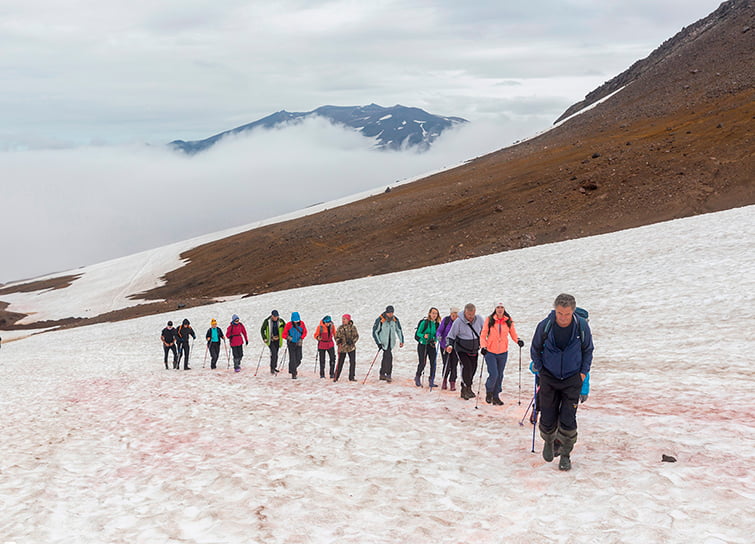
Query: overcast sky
{"points": [[84, 83]]}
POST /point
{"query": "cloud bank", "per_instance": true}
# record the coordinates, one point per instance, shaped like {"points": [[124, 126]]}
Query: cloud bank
{"points": [[71, 207]]}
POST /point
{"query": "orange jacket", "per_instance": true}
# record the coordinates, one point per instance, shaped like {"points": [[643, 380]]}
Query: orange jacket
{"points": [[496, 338]]}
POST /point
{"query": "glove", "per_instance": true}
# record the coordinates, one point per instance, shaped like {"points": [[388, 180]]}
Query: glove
{"points": [[520, 343], [484, 351], [247, 342], [583, 398]]}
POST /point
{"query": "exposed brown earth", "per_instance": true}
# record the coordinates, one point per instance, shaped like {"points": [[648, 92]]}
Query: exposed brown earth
{"points": [[675, 142]]}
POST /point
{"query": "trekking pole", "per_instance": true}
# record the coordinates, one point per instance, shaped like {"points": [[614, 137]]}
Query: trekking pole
{"points": [[519, 401], [534, 414], [282, 360], [317, 353], [259, 361], [527, 411], [227, 354], [372, 363], [479, 386], [205, 354]]}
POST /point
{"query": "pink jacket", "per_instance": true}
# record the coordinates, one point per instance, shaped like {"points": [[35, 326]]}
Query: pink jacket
{"points": [[236, 334], [496, 338]]}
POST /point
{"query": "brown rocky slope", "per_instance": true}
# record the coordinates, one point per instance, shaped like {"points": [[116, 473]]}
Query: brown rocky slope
{"points": [[675, 141]]}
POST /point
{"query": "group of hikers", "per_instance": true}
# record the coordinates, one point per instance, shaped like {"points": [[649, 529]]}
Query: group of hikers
{"points": [[561, 352]]}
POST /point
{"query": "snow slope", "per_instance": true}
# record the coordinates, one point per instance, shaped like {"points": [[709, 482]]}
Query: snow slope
{"points": [[102, 444]]}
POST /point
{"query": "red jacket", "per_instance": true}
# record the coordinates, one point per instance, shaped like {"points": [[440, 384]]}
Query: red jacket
{"points": [[236, 334], [325, 335], [496, 338]]}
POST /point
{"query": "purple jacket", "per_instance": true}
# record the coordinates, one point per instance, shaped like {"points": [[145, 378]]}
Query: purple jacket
{"points": [[443, 329]]}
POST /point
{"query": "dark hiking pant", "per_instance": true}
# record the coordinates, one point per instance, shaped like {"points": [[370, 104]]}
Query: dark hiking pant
{"points": [[238, 354], [168, 349], [557, 401], [214, 354], [386, 365], [352, 364], [274, 347], [332, 358], [450, 362], [294, 357], [183, 351], [425, 352], [468, 362]]}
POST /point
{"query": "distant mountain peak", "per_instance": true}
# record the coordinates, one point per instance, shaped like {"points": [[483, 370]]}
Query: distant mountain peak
{"points": [[394, 128]]}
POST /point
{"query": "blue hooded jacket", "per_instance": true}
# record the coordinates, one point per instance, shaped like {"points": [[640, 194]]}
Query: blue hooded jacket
{"points": [[576, 358]]}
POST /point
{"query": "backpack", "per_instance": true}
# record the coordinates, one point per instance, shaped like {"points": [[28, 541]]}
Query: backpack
{"points": [[582, 315], [417, 335]]}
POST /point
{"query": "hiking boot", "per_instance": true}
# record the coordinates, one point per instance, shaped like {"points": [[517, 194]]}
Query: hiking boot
{"points": [[166, 366], [464, 392], [452, 386], [564, 463], [470, 392], [443, 386], [431, 384], [489, 397], [497, 400], [352, 379], [382, 377], [548, 450], [388, 379], [557, 448], [237, 369], [417, 381]]}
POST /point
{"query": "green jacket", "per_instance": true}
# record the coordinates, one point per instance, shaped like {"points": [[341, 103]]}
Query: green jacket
{"points": [[426, 327], [267, 324]]}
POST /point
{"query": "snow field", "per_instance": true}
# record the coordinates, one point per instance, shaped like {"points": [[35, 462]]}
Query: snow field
{"points": [[102, 444]]}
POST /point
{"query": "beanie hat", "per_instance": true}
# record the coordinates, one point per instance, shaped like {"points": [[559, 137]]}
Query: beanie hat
{"points": [[454, 310], [213, 322], [170, 323], [274, 313], [347, 316], [295, 316], [186, 322], [326, 319], [500, 304], [389, 309], [234, 318]]}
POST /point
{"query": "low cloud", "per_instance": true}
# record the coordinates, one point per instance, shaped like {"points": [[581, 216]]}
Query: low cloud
{"points": [[70, 207]]}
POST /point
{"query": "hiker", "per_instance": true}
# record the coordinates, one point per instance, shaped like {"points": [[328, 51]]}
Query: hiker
{"points": [[427, 328], [494, 346], [346, 338], [561, 353], [168, 337], [294, 333], [386, 329], [272, 335], [325, 336], [236, 334], [183, 333], [464, 339], [450, 360], [214, 336]]}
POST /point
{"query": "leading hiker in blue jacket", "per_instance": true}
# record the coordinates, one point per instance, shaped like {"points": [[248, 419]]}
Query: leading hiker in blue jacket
{"points": [[385, 331], [561, 352]]}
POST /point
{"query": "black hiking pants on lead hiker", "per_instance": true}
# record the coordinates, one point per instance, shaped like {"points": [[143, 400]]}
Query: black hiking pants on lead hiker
{"points": [[214, 354], [274, 347], [425, 352], [557, 401], [332, 358], [468, 362], [352, 364]]}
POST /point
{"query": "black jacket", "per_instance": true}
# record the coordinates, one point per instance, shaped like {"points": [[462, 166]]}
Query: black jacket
{"points": [[184, 331]]}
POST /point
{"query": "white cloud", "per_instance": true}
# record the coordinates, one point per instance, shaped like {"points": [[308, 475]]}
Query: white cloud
{"points": [[78, 206]]}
